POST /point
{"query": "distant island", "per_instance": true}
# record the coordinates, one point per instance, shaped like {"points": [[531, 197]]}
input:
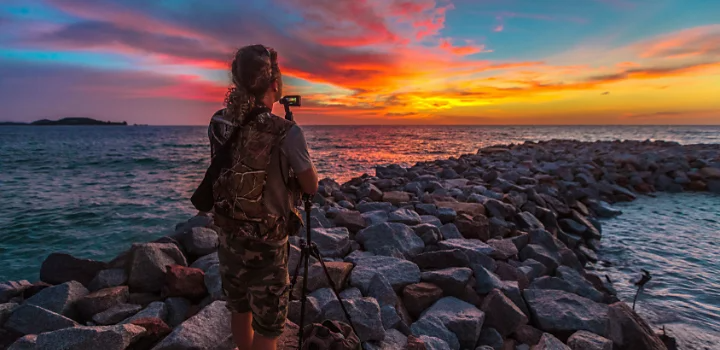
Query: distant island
{"points": [[66, 121]]}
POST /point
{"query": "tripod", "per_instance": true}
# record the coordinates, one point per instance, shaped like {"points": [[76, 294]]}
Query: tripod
{"points": [[307, 249]]}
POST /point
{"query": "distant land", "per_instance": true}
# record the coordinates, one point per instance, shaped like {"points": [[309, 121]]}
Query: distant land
{"points": [[66, 121]]}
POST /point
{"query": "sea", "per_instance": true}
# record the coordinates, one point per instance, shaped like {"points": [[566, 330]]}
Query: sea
{"points": [[92, 191]]}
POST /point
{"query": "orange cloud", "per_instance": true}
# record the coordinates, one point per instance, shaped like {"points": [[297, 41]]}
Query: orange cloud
{"points": [[469, 49]]}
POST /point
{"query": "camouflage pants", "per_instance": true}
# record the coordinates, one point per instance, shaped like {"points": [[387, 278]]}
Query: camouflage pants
{"points": [[254, 275]]}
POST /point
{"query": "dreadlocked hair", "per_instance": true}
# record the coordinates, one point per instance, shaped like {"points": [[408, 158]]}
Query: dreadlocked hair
{"points": [[253, 70]]}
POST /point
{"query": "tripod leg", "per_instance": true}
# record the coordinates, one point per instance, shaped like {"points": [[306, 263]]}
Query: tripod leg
{"points": [[303, 252], [306, 255]]}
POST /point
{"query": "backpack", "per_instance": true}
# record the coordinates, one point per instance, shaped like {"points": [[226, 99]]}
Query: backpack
{"points": [[330, 335]]}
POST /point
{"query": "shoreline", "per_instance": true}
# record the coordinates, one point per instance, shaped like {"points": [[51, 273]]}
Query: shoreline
{"points": [[504, 232]]}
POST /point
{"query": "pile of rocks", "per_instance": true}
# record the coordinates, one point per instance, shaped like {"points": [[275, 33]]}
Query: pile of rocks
{"points": [[486, 251]]}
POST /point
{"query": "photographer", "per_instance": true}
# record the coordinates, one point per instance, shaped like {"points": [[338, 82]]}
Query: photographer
{"points": [[254, 209]]}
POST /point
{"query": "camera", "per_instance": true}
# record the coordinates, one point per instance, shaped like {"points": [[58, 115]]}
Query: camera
{"points": [[291, 100]]}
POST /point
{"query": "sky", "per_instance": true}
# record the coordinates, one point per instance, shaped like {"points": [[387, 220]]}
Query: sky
{"points": [[488, 62]]}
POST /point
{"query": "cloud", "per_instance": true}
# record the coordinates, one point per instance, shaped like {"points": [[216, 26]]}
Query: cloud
{"points": [[700, 41], [463, 50]]}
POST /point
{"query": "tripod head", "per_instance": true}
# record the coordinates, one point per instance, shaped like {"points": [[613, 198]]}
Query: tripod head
{"points": [[290, 100]]}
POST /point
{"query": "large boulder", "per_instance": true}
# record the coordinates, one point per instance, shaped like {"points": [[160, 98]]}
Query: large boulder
{"points": [[146, 265], [581, 286], [60, 299], [205, 262], [375, 217], [433, 332], [11, 289], [365, 314], [429, 233], [352, 220], [155, 330], [116, 314], [381, 290], [405, 216], [557, 311], [540, 253], [101, 300], [181, 281], [420, 296], [209, 327], [107, 279], [502, 314], [339, 273], [156, 309], [6, 310], [477, 227], [117, 337], [452, 280], [60, 268], [31, 319], [378, 238], [627, 330], [398, 272], [177, 309], [549, 342], [332, 242], [200, 241], [584, 340], [463, 319]]}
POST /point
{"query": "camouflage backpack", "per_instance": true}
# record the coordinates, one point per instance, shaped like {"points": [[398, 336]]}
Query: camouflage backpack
{"points": [[330, 335]]}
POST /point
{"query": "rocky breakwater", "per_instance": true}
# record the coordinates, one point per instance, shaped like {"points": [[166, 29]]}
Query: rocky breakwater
{"points": [[485, 251]]}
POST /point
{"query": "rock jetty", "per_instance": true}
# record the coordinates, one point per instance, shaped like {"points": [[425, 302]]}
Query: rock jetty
{"points": [[483, 251]]}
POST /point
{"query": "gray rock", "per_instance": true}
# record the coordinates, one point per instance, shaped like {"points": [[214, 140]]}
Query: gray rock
{"points": [[213, 282], [554, 283], [59, 268], [446, 215], [351, 293], [584, 340], [405, 216], [312, 310], [498, 209], [546, 239], [209, 327], [375, 217], [604, 209], [432, 220], [398, 272], [502, 314], [627, 330], [536, 269], [323, 297], [450, 231], [345, 204], [558, 311], [581, 286], [32, 319], [463, 319], [503, 249], [370, 191], [390, 317], [177, 308], [365, 314], [156, 309], [433, 327], [426, 209], [332, 242], [429, 233], [381, 290], [116, 314], [11, 289], [60, 299], [490, 338], [204, 263], [521, 240], [27, 342], [549, 342], [147, 262], [512, 291], [485, 281], [549, 259], [107, 279], [476, 250], [373, 206], [101, 300], [441, 259], [200, 241], [378, 238], [6, 310], [393, 340], [117, 337], [452, 280], [528, 221], [352, 220], [294, 259]]}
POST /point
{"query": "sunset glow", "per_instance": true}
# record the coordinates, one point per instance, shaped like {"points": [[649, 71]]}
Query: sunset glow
{"points": [[368, 62]]}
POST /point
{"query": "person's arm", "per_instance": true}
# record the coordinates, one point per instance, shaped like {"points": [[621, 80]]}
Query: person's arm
{"points": [[296, 150]]}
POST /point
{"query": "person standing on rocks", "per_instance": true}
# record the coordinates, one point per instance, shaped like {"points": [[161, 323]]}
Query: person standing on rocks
{"points": [[254, 210]]}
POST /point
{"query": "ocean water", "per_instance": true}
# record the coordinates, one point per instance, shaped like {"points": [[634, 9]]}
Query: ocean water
{"points": [[92, 191]]}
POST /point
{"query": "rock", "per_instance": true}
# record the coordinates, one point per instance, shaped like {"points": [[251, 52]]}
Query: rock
{"points": [[393, 340], [430, 234], [365, 314], [430, 328], [490, 338], [485, 281], [533, 269], [554, 283], [476, 250], [549, 342], [426, 209], [200, 241], [627, 330], [587, 253], [558, 311], [101, 300], [147, 262], [339, 273], [446, 215], [351, 293], [377, 238], [116, 314], [294, 259], [450, 231], [375, 217], [591, 231], [507, 272], [117, 337], [398, 272], [527, 334], [498, 209], [60, 268], [441, 259], [503, 249], [521, 240], [569, 240], [405, 216], [572, 226], [381, 290], [429, 343], [583, 340], [368, 190], [463, 319], [511, 290], [312, 310], [371, 206], [603, 209], [213, 282], [502, 314], [390, 317], [143, 299], [6, 310], [477, 227], [28, 342], [156, 309], [452, 280], [581, 286], [352, 220], [332, 242], [205, 262], [471, 209], [420, 296], [155, 330], [541, 254], [429, 219], [32, 319], [546, 239], [60, 299], [209, 327], [500, 228], [107, 279], [11, 289], [177, 308], [396, 197], [528, 221], [181, 281], [710, 173]]}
